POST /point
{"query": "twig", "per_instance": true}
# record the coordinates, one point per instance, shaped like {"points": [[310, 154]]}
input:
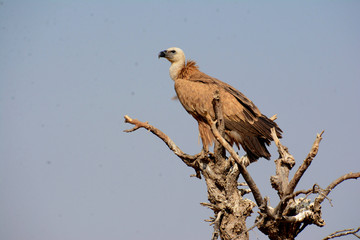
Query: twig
{"points": [[257, 223], [336, 182], [284, 200], [216, 223], [274, 117], [211, 206], [344, 232]]}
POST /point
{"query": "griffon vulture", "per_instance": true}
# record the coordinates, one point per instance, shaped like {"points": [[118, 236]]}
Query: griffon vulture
{"points": [[244, 123]]}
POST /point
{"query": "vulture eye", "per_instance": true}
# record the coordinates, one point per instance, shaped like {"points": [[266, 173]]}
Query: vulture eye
{"points": [[173, 51]]}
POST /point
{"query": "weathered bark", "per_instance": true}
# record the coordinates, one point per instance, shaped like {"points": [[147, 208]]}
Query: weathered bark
{"points": [[221, 175]]}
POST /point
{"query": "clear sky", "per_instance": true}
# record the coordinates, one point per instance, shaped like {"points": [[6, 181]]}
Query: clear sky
{"points": [[70, 71]]}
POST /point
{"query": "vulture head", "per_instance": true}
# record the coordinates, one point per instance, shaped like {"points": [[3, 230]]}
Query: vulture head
{"points": [[177, 58], [173, 54]]}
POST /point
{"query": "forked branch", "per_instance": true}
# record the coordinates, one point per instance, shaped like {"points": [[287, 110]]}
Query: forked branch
{"points": [[304, 166]]}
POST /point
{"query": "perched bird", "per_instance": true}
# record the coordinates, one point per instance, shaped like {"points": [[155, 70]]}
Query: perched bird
{"points": [[244, 123]]}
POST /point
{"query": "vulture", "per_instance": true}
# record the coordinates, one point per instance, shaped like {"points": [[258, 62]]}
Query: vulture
{"points": [[245, 125]]}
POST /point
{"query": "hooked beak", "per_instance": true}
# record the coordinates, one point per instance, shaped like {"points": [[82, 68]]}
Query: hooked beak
{"points": [[162, 54]]}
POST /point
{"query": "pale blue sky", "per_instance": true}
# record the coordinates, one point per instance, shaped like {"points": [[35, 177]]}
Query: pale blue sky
{"points": [[70, 71]]}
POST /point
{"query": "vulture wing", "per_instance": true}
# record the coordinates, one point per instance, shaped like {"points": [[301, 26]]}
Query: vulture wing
{"points": [[244, 123]]}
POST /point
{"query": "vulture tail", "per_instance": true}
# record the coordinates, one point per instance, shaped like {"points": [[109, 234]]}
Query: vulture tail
{"points": [[264, 126], [254, 137], [255, 148]]}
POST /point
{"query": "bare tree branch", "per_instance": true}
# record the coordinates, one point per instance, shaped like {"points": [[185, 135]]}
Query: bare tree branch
{"points": [[299, 217], [285, 199], [216, 224], [284, 164], [190, 160], [336, 182], [273, 118], [250, 182], [220, 125], [301, 170], [344, 232]]}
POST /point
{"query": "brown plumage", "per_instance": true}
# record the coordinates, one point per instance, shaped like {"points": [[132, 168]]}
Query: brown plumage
{"points": [[244, 123]]}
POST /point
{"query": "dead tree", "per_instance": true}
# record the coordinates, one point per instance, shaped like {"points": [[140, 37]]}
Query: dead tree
{"points": [[221, 173]]}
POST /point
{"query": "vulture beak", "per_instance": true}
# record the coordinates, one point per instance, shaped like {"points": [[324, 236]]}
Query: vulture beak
{"points": [[162, 54]]}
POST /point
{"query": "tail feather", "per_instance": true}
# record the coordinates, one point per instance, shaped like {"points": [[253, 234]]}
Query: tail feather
{"points": [[255, 148], [253, 137], [264, 125]]}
